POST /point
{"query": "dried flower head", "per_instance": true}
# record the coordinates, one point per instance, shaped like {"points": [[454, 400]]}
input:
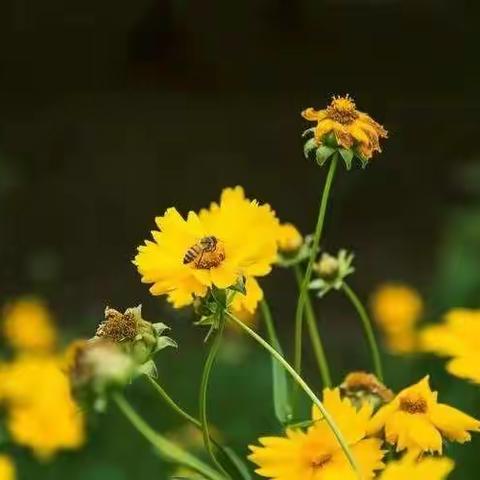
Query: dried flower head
{"points": [[341, 127]]}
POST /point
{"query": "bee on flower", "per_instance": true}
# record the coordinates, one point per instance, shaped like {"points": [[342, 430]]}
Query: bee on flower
{"points": [[457, 337], [416, 422], [231, 240], [342, 128], [315, 452]]}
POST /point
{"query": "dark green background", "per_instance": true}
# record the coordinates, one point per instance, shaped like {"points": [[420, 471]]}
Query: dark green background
{"points": [[111, 111]]}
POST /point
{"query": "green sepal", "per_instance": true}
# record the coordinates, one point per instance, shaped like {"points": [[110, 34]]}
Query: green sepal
{"points": [[308, 131], [148, 368], [309, 146], [347, 156], [239, 286], [330, 140], [323, 153], [362, 159]]}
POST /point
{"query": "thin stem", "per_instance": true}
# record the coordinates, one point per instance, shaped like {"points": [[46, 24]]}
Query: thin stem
{"points": [[203, 397], [368, 329], [331, 423], [182, 413], [272, 333], [314, 333], [168, 450], [308, 273]]}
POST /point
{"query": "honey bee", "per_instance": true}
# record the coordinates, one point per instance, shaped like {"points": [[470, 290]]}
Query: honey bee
{"points": [[195, 252]]}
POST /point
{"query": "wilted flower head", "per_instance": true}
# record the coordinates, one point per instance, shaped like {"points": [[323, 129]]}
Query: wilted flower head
{"points": [[415, 421], [457, 337], [361, 387], [341, 127], [28, 325], [136, 336], [332, 271], [232, 239]]}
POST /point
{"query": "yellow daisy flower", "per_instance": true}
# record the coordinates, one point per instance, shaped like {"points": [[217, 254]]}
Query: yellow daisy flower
{"points": [[289, 238], [396, 309], [415, 421], [431, 468], [234, 238], [7, 469], [457, 337], [41, 413], [315, 453], [27, 325], [351, 128]]}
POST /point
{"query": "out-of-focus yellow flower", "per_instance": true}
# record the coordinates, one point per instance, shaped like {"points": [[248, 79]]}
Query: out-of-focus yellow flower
{"points": [[458, 337], [351, 128], [289, 238], [28, 326], [235, 238], [315, 453], [425, 468], [41, 413], [415, 421], [396, 309], [7, 469]]}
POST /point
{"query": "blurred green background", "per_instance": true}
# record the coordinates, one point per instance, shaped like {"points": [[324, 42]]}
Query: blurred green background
{"points": [[113, 111]]}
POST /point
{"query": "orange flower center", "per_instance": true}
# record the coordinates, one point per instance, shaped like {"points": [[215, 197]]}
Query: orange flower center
{"points": [[342, 110], [207, 253], [413, 404]]}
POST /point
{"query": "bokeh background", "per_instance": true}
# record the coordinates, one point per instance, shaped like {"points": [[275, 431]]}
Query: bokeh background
{"points": [[113, 111]]}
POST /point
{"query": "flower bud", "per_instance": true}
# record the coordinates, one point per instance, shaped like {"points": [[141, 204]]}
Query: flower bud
{"points": [[327, 267]]}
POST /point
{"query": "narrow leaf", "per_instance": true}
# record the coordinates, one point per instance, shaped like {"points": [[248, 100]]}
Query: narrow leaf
{"points": [[238, 462]]}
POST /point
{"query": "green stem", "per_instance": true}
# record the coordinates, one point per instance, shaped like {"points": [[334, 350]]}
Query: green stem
{"points": [[314, 333], [168, 450], [272, 333], [368, 329], [182, 413], [308, 273], [298, 379], [212, 354]]}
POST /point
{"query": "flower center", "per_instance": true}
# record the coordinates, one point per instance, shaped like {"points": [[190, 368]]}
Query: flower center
{"points": [[320, 461], [205, 254], [413, 405], [342, 110]]}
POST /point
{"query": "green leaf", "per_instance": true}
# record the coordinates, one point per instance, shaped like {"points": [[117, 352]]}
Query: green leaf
{"points": [[281, 396], [309, 146], [347, 156], [238, 462], [323, 154]]}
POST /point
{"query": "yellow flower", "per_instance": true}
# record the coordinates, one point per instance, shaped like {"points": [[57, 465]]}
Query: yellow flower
{"points": [[7, 470], [426, 468], [289, 238], [28, 325], [351, 128], [41, 413], [457, 337], [415, 421], [396, 309], [237, 237], [315, 453]]}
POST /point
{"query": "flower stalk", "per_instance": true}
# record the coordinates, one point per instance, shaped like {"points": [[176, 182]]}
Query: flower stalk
{"points": [[314, 334], [207, 369], [302, 384], [168, 450], [367, 328], [302, 298]]}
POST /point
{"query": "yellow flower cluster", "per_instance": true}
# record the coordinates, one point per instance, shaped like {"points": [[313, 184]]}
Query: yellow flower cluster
{"points": [[214, 248], [7, 470], [458, 337], [413, 421], [41, 413], [315, 453], [396, 309]]}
